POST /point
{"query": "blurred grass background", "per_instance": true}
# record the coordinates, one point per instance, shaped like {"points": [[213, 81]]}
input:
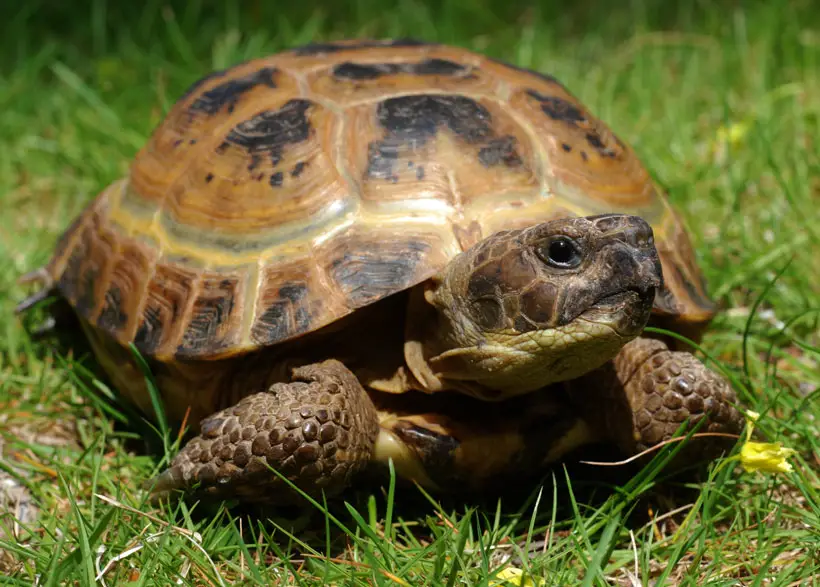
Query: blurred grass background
{"points": [[720, 99]]}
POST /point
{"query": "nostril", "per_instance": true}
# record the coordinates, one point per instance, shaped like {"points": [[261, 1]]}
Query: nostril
{"points": [[639, 236], [654, 272]]}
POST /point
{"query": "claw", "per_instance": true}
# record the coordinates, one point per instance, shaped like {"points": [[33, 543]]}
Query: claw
{"points": [[32, 300], [38, 275], [42, 277], [161, 487]]}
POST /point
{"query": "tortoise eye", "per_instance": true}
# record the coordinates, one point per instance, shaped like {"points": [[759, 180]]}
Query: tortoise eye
{"points": [[561, 252]]}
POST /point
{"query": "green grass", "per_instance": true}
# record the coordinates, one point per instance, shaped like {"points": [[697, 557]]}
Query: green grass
{"points": [[80, 90]]}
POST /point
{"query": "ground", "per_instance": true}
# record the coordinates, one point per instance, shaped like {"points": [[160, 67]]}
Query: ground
{"points": [[720, 103]]}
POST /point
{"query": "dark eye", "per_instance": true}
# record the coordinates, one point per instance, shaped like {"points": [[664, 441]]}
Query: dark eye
{"points": [[561, 252]]}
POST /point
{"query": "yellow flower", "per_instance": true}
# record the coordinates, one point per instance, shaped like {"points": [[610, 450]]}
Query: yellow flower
{"points": [[753, 416], [514, 577], [734, 133], [766, 457]]}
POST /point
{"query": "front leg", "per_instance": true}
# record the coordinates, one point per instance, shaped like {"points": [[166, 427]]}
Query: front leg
{"points": [[317, 432], [643, 396]]}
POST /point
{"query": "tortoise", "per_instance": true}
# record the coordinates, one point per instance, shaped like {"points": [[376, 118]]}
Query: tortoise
{"points": [[365, 250]]}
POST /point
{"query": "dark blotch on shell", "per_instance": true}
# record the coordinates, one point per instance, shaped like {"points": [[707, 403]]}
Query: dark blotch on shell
{"points": [[298, 169], [558, 108], [350, 70], [500, 150], [410, 122], [228, 93]]}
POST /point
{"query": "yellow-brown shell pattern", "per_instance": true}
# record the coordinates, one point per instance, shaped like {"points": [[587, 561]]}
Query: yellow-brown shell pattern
{"points": [[283, 193]]}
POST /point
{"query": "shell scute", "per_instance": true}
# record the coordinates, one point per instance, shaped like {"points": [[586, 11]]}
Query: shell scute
{"points": [[185, 147], [132, 267], [366, 274], [169, 296], [291, 296], [437, 153], [246, 194], [215, 311], [587, 160], [98, 252]]}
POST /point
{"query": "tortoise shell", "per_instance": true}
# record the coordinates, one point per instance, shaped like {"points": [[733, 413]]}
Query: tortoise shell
{"points": [[286, 192]]}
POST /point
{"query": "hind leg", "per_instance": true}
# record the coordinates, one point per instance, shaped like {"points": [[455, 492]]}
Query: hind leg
{"points": [[317, 431], [451, 443]]}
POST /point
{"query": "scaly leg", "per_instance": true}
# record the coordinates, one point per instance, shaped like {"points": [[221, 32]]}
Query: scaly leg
{"points": [[644, 395], [316, 431]]}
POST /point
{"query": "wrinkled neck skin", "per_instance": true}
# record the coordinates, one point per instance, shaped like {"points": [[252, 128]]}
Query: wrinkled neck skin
{"points": [[496, 323], [451, 353]]}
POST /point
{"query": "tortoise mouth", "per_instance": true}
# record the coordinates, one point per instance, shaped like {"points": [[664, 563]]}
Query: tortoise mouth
{"points": [[627, 311], [628, 296]]}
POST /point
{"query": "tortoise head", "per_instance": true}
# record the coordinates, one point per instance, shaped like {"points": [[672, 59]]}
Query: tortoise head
{"points": [[526, 308]]}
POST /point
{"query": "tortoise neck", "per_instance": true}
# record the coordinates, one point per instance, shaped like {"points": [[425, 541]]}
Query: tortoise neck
{"points": [[437, 326]]}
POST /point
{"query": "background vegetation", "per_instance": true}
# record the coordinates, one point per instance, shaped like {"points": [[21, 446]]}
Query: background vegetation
{"points": [[719, 98]]}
